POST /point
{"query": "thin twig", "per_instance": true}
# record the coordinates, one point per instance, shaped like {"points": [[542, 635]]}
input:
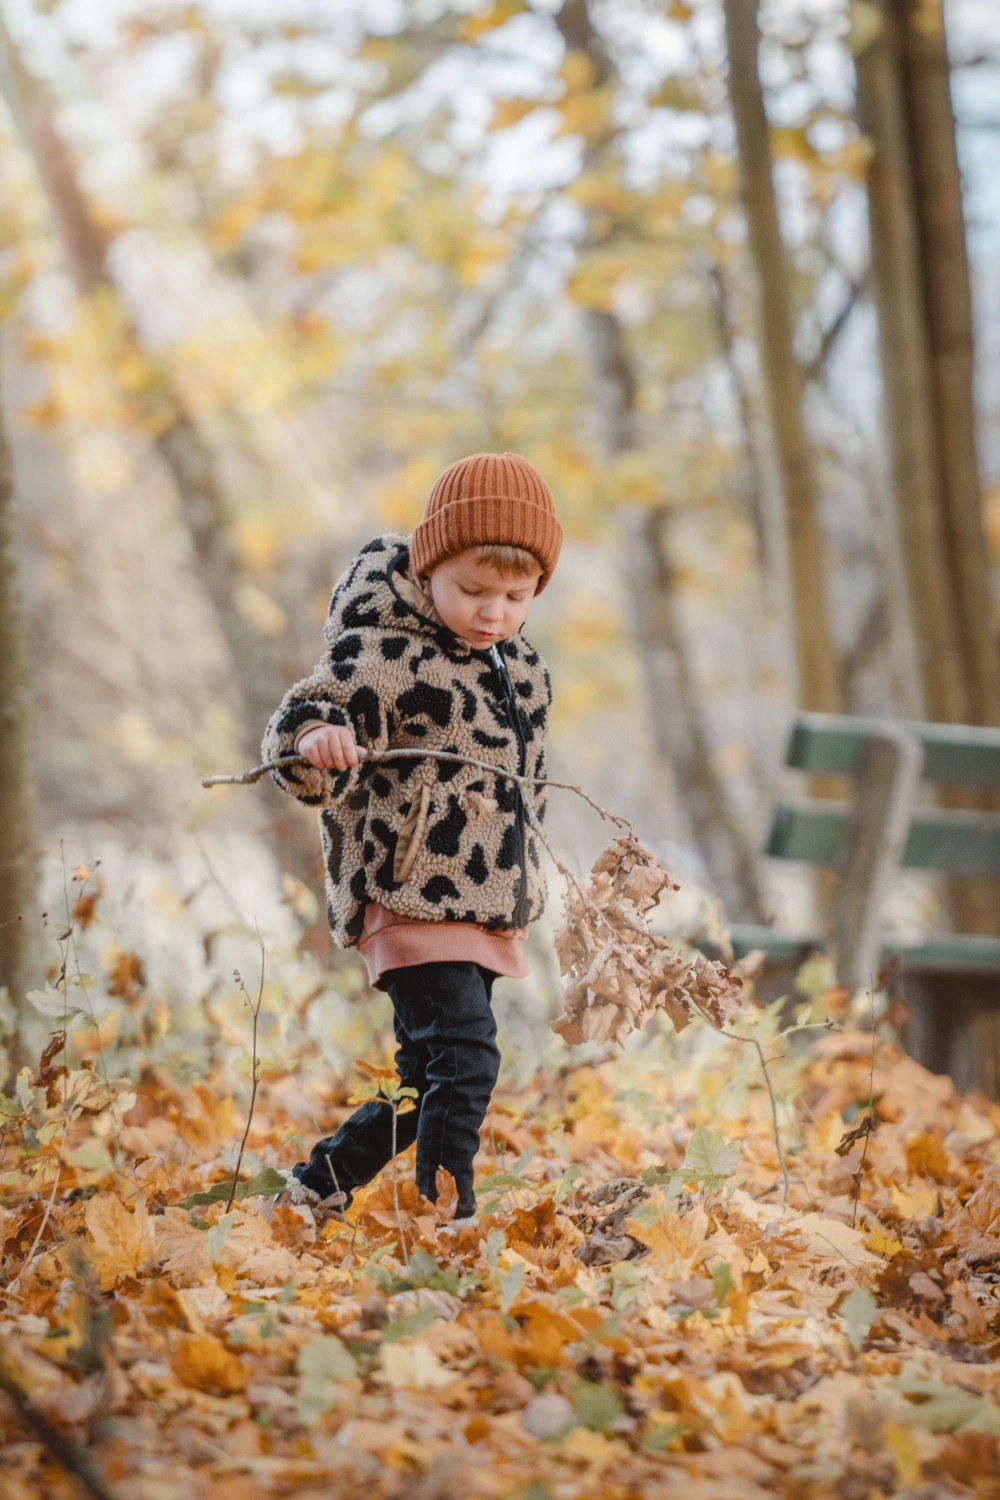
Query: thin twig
{"points": [[567, 874], [859, 1174], [392, 1103], [76, 1464], [251, 777], [752, 1040], [255, 1012], [774, 1117], [48, 1210]]}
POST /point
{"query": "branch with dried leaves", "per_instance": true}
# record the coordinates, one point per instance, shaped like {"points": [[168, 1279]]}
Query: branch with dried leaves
{"points": [[620, 972]]}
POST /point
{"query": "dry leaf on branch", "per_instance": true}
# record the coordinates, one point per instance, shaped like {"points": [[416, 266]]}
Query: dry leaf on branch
{"points": [[618, 971]]}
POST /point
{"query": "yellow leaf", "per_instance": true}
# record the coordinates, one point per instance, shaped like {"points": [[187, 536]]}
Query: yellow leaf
{"points": [[577, 71], [374, 1071], [866, 25], [405, 1107], [477, 26], [903, 1449], [919, 1203], [786, 141], [123, 1242], [507, 112], [928, 19], [201, 1361], [882, 1244], [927, 1155]]}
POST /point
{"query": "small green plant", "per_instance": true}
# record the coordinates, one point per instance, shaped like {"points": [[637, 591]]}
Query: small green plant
{"points": [[385, 1086]]}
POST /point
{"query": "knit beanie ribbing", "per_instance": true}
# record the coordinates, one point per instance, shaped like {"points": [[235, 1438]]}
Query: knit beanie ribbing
{"points": [[489, 497]]}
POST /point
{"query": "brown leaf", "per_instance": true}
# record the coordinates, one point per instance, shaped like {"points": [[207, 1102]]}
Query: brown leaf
{"points": [[977, 1329], [535, 1226], [127, 978], [850, 1138], [199, 1360], [927, 1155], [85, 909]]}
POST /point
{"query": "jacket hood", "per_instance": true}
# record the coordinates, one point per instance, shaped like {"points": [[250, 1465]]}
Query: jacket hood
{"points": [[367, 597]]}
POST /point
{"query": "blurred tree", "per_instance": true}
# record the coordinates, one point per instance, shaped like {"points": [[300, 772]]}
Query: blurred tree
{"points": [[816, 655], [918, 35], [154, 402], [675, 702], [204, 506], [911, 427], [920, 274], [19, 851]]}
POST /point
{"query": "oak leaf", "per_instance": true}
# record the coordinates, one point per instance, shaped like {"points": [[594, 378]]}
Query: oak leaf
{"points": [[123, 1241]]}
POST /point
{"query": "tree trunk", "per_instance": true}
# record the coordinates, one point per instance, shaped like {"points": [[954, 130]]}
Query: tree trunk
{"points": [[910, 420], [678, 727], [912, 378], [918, 34], [19, 921], [767, 514], [815, 654]]}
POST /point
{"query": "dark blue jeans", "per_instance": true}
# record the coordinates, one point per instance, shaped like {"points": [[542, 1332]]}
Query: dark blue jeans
{"points": [[447, 1051]]}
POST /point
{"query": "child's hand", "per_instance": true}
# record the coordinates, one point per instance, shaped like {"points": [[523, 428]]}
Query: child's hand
{"points": [[331, 748]]}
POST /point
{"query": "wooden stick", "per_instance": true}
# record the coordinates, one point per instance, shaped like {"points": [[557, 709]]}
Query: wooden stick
{"points": [[251, 777]]}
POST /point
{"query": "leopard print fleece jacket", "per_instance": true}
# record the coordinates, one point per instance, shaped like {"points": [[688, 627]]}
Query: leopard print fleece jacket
{"points": [[400, 680]]}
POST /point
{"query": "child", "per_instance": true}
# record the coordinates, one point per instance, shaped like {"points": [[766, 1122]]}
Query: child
{"points": [[432, 869]]}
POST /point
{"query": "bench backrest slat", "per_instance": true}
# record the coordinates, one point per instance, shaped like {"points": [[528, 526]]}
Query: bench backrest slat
{"points": [[965, 754], [958, 842]]}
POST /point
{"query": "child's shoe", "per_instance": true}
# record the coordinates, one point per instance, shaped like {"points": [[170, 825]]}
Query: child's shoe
{"points": [[297, 1192], [455, 1226]]}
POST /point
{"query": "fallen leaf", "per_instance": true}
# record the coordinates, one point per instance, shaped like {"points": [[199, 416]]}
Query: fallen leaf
{"points": [[915, 1203], [859, 1311], [123, 1241], [927, 1155], [199, 1360], [413, 1367], [323, 1364], [880, 1243]]}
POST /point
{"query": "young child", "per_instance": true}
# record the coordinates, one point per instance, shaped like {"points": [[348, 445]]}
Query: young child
{"points": [[432, 870]]}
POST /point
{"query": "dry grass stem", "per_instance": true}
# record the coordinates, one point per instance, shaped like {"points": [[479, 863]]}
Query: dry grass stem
{"points": [[255, 1012]]}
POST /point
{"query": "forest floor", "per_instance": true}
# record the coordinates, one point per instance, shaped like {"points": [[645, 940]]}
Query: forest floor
{"points": [[729, 1346]]}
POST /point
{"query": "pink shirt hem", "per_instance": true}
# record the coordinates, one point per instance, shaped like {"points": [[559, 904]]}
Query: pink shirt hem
{"points": [[391, 942]]}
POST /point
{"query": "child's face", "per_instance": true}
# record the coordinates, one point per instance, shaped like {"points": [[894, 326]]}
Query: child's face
{"points": [[478, 603]]}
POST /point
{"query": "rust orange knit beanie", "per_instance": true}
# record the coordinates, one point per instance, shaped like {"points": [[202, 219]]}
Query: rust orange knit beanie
{"points": [[489, 497]]}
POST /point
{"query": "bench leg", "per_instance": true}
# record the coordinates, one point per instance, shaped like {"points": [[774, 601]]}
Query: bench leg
{"points": [[887, 779]]}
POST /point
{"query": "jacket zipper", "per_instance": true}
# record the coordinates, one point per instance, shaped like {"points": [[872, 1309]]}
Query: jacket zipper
{"points": [[521, 899]]}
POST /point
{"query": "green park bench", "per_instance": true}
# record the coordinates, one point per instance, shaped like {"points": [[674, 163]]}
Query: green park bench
{"points": [[885, 829]]}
